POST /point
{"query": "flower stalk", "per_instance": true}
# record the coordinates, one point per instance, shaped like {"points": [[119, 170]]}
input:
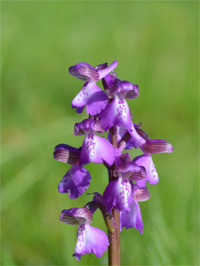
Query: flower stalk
{"points": [[114, 237], [108, 111]]}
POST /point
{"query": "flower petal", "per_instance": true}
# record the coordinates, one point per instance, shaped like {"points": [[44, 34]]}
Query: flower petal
{"points": [[116, 113], [105, 71], [87, 125], [76, 216], [90, 240], [84, 71], [92, 97], [135, 137], [133, 218], [151, 173], [141, 194], [96, 149], [133, 93], [128, 169], [157, 146], [117, 194], [76, 181], [67, 154]]}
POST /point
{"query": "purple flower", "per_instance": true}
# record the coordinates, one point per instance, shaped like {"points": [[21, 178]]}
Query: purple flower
{"points": [[89, 238], [117, 111], [114, 85], [133, 218], [90, 95], [118, 192], [94, 149], [75, 181]]}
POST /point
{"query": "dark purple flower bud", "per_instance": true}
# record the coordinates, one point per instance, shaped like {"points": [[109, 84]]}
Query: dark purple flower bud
{"points": [[67, 154]]}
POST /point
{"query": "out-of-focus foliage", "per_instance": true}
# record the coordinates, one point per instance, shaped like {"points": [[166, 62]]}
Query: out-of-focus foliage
{"points": [[156, 44]]}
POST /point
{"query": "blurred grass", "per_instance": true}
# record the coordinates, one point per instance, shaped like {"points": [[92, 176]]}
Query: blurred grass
{"points": [[156, 44]]}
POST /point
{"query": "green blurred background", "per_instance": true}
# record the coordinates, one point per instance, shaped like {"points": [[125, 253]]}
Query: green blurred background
{"points": [[156, 44]]}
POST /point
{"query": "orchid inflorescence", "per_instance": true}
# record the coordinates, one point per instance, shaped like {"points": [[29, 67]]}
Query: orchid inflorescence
{"points": [[107, 111]]}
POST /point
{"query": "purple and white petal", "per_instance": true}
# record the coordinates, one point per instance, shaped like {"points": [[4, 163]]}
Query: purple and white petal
{"points": [[157, 146], [135, 137], [128, 169], [117, 194], [116, 113], [105, 71], [75, 181], [108, 82], [101, 66], [124, 87], [140, 194], [92, 97], [84, 72], [76, 216], [87, 125], [67, 154], [133, 218], [90, 240], [151, 173], [96, 149], [132, 93]]}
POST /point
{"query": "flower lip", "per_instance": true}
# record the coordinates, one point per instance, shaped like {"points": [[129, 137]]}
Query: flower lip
{"points": [[84, 72], [75, 181]]}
